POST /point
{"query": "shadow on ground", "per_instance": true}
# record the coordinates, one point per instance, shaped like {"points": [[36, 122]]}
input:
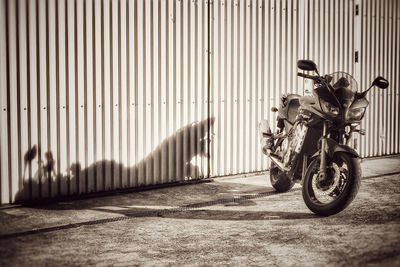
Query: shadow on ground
{"points": [[211, 201]]}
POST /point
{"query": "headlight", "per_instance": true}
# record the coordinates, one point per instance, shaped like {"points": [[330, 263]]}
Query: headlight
{"points": [[329, 108], [355, 114]]}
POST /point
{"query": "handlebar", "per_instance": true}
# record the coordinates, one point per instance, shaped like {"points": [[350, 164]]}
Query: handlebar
{"points": [[317, 79], [312, 77]]}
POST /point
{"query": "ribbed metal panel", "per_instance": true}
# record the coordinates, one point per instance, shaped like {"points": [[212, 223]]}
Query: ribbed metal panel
{"points": [[255, 48], [254, 54], [331, 35], [119, 93], [110, 94], [339, 29], [380, 55]]}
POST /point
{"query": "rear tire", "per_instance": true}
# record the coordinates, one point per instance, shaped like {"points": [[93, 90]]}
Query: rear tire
{"points": [[343, 196], [279, 180]]}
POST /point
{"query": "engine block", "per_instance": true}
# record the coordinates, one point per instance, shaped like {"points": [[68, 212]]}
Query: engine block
{"points": [[296, 140]]}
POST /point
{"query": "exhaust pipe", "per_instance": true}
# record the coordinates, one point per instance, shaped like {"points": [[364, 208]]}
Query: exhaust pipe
{"points": [[274, 158], [267, 142]]}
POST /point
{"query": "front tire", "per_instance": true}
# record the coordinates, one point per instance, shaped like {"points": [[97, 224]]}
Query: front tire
{"points": [[338, 191]]}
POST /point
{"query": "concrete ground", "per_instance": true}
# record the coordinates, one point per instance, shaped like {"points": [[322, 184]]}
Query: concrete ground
{"points": [[231, 221]]}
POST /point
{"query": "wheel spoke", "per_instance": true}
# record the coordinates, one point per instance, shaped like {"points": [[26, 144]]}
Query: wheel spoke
{"points": [[327, 191]]}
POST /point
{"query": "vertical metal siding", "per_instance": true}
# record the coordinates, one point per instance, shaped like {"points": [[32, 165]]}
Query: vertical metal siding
{"points": [[330, 35], [110, 93], [336, 33], [331, 39], [280, 32], [97, 95], [254, 55], [380, 56]]}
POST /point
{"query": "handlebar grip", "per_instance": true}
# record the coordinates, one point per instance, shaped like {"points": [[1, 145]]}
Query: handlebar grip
{"points": [[307, 76], [302, 75]]}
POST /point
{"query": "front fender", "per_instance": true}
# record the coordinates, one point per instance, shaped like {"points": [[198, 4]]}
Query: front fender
{"points": [[334, 147]]}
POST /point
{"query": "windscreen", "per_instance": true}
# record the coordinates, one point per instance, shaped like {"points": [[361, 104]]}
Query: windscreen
{"points": [[343, 79], [344, 87]]}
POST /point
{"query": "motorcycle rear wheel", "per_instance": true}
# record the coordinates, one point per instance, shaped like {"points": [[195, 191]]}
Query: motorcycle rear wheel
{"points": [[345, 177], [280, 181]]}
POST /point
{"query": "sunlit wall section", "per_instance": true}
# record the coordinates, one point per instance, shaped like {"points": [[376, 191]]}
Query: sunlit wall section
{"points": [[255, 46], [100, 95]]}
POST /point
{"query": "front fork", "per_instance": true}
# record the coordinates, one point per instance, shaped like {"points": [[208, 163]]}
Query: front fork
{"points": [[322, 166]]}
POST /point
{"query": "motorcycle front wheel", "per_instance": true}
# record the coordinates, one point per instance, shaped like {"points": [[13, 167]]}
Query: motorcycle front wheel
{"points": [[337, 191]]}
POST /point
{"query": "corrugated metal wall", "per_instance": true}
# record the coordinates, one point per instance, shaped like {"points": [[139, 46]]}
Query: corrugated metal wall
{"points": [[341, 28], [103, 94], [110, 94], [255, 47], [254, 54], [380, 55]]}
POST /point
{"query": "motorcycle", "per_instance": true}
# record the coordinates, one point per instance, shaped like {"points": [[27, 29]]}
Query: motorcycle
{"points": [[311, 144]]}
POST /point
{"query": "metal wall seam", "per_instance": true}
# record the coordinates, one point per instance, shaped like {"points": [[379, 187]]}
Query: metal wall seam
{"points": [[90, 104], [396, 77], [4, 156], [393, 77], [13, 98], [24, 91], [362, 146], [389, 71], [380, 69], [376, 57]]}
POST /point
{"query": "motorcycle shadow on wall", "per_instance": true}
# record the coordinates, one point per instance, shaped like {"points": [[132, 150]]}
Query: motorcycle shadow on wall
{"points": [[175, 159]]}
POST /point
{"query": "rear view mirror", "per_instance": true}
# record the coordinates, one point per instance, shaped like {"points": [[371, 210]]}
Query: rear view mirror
{"points": [[380, 82], [308, 65]]}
